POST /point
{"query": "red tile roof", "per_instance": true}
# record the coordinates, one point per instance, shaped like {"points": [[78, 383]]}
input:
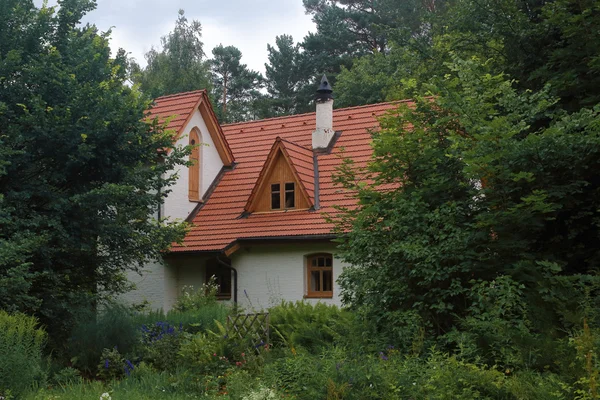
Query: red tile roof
{"points": [[220, 222], [178, 109]]}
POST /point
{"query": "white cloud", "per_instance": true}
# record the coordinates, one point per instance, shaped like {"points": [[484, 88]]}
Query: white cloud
{"points": [[247, 24]]}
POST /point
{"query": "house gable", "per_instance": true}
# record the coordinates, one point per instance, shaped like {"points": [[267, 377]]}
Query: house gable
{"points": [[178, 110], [191, 119], [286, 163]]}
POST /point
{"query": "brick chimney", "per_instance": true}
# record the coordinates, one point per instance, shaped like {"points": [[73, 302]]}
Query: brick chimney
{"points": [[322, 135]]}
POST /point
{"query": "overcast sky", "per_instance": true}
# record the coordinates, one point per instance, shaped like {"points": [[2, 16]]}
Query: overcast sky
{"points": [[246, 24]]}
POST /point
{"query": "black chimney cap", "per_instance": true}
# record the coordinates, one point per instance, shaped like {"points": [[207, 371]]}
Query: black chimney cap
{"points": [[325, 92]]}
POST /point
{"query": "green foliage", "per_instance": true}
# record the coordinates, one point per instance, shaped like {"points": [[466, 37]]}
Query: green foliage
{"points": [[161, 342], [66, 376], [193, 320], [179, 66], [21, 353], [79, 177], [308, 325], [235, 87], [285, 77], [495, 198], [113, 327], [112, 364], [191, 299], [204, 354]]}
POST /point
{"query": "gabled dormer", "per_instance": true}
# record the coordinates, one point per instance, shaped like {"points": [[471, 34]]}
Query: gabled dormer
{"points": [[286, 181]]}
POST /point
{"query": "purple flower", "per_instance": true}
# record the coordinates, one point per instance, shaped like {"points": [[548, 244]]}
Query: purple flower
{"points": [[106, 363], [383, 356]]}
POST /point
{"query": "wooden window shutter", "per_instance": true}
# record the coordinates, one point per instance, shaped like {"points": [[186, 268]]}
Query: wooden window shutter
{"points": [[194, 169]]}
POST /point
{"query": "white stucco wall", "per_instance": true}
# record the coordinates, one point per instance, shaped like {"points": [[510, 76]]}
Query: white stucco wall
{"points": [[177, 205], [269, 274], [158, 284], [154, 285]]}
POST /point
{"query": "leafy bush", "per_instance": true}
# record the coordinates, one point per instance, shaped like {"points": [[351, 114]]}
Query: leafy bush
{"points": [[204, 354], [191, 299], [161, 342], [307, 325], [112, 327], [21, 345], [192, 320], [112, 365]]}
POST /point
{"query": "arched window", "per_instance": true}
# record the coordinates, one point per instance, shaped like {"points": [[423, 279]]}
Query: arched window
{"points": [[319, 275], [194, 169]]}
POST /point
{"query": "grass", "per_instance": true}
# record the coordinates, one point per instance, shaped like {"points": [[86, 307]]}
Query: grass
{"points": [[148, 385]]}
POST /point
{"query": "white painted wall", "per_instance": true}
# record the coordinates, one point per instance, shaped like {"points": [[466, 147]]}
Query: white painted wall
{"points": [[269, 274], [177, 205], [154, 285], [158, 283]]}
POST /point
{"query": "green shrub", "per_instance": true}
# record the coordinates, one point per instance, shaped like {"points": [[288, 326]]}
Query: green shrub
{"points": [[161, 343], [113, 365], [191, 299], [204, 354], [307, 325], [21, 345], [192, 320], [114, 326], [300, 374], [66, 376]]}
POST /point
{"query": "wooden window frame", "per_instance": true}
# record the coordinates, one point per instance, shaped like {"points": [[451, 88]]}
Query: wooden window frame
{"points": [[195, 170], [282, 195], [318, 294]]}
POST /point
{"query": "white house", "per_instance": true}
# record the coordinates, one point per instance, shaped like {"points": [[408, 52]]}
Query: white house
{"points": [[256, 196]]}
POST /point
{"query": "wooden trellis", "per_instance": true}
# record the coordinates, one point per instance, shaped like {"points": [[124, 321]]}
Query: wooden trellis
{"points": [[253, 327]]}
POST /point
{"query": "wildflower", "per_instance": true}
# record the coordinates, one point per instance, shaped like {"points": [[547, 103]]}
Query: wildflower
{"points": [[383, 356], [106, 363], [243, 354], [105, 396]]}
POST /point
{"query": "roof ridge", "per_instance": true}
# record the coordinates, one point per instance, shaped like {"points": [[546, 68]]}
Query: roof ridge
{"points": [[168, 96], [293, 143], [313, 112]]}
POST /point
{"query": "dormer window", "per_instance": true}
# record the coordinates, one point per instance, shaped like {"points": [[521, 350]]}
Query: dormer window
{"points": [[286, 181], [287, 196]]}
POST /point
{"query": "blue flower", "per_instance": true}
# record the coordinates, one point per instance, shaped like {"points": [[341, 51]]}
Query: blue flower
{"points": [[106, 363]]}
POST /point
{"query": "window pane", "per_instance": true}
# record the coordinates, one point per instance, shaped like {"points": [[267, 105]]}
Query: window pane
{"points": [[275, 201], [275, 187], [289, 199], [314, 262], [315, 281], [328, 261], [321, 261], [327, 281], [289, 186]]}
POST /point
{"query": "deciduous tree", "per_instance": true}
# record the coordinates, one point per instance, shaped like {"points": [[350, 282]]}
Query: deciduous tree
{"points": [[180, 65], [80, 173]]}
